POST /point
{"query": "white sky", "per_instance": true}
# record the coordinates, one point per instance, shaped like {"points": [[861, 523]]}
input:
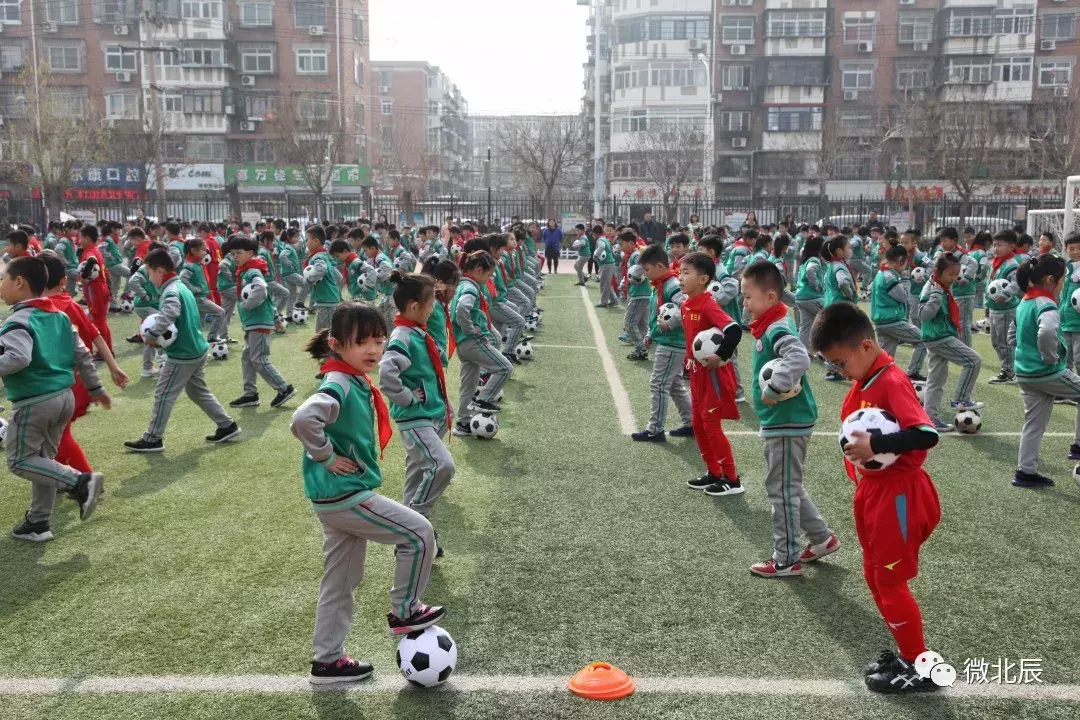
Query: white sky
{"points": [[506, 56]]}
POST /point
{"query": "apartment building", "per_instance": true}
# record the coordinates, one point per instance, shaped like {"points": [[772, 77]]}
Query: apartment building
{"points": [[508, 178]]}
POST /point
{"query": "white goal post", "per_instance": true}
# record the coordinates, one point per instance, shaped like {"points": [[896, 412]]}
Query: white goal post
{"points": [[1062, 222]]}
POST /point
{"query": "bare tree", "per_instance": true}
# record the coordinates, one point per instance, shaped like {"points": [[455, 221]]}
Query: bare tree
{"points": [[544, 150], [404, 161], [671, 153], [1055, 137]]}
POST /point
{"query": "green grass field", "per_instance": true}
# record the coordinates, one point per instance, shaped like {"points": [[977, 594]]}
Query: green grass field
{"points": [[566, 543]]}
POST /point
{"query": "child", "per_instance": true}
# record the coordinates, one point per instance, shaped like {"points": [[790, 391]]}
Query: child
{"points": [[226, 287], [964, 288], [213, 267], [896, 508], [839, 284], [1024, 243], [114, 260], [185, 359], [677, 246], [474, 341], [95, 290], [977, 251], [359, 276], [712, 384], [401, 258], [605, 260], [729, 299], [65, 248], [787, 417], [941, 322], [292, 277], [859, 255], [889, 307], [279, 294], [1070, 318], [1046, 243], [916, 258], [343, 428], [809, 289], [383, 267], [447, 276], [411, 376], [584, 248], [193, 275], [1042, 369], [257, 320], [38, 350], [322, 278], [638, 292], [506, 318], [1003, 266], [669, 345], [174, 241]]}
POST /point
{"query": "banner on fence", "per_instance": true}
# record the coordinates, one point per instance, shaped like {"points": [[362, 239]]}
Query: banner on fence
{"points": [[266, 177]]}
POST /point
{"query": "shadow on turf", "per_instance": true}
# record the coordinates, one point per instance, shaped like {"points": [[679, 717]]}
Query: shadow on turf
{"points": [[26, 579]]}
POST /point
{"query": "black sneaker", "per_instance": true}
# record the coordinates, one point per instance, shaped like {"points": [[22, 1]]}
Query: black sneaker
{"points": [[300, 305], [483, 406], [1023, 479], [87, 492], [646, 436], [135, 339], [343, 670], [725, 486], [245, 401], [527, 338], [282, 397], [145, 446], [899, 677], [224, 434], [684, 431], [38, 532], [834, 377], [461, 429], [700, 483], [426, 616], [512, 358], [917, 377], [1002, 378], [1074, 451], [886, 658], [638, 356]]}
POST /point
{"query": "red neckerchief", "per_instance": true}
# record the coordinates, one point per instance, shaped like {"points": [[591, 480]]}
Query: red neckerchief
{"points": [[1038, 292], [192, 259], [382, 413], [349, 258], [997, 262], [451, 344], [433, 356], [852, 399], [954, 309], [739, 242], [307, 258], [255, 263], [168, 276], [41, 303], [854, 282], [759, 326], [659, 285]]}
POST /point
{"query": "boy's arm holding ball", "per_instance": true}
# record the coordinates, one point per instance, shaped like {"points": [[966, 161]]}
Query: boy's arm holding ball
{"points": [[169, 312], [794, 362], [257, 290]]}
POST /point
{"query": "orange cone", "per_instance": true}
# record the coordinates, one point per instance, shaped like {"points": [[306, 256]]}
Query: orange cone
{"points": [[601, 681]]}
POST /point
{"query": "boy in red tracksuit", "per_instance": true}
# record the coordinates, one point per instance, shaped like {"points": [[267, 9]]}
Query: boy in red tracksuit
{"points": [[95, 291], [213, 252], [896, 508], [712, 383]]}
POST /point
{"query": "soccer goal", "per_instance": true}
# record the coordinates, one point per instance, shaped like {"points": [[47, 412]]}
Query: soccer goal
{"points": [[1062, 222]]}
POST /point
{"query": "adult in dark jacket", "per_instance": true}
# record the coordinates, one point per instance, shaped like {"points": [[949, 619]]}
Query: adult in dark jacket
{"points": [[652, 230], [552, 245]]}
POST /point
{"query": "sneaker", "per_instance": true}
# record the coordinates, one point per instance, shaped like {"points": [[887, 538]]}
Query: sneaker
{"points": [[916, 377], [1023, 479], [966, 405], [725, 486], [38, 532], [813, 553], [1074, 451], [343, 670], [511, 358], [1002, 378], [700, 483], [282, 397], [740, 396], [231, 341], [145, 446], [769, 569], [87, 492], [224, 434], [898, 677], [1064, 401], [300, 305], [684, 431], [135, 339], [624, 338], [886, 658], [150, 373], [834, 377], [600, 305], [527, 338], [646, 436], [461, 429], [250, 400], [483, 406], [425, 616], [943, 427], [438, 546], [638, 356]]}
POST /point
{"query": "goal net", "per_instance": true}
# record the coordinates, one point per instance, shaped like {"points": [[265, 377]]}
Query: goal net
{"points": [[1061, 222]]}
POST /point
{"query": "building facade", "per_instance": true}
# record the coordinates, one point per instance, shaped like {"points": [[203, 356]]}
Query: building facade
{"points": [[508, 178]]}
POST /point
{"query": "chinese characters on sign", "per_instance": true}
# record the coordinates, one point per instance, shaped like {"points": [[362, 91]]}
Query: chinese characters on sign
{"points": [[1002, 671], [294, 176], [105, 194], [117, 176]]}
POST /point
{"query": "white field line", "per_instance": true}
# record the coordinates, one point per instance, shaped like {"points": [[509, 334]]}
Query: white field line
{"points": [[618, 393], [565, 347], [833, 432], [389, 683]]}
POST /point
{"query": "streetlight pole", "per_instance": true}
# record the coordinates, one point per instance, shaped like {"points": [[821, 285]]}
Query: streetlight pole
{"points": [[598, 100], [710, 135], [487, 181]]}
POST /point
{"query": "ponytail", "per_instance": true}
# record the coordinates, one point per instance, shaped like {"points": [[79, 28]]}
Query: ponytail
{"points": [[811, 248], [319, 345], [1037, 269]]}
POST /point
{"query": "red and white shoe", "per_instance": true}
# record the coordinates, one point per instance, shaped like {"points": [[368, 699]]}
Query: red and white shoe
{"points": [[769, 569], [813, 552]]}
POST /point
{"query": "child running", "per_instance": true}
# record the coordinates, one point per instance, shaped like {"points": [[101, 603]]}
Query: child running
{"points": [[839, 285], [889, 304]]}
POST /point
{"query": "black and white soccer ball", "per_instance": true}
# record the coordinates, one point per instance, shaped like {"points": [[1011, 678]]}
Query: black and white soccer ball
{"points": [[127, 306], [998, 290], [89, 269], [245, 293], [455, 252], [309, 275], [484, 425], [167, 338], [669, 315], [918, 275], [427, 657], [874, 421], [1076, 470], [636, 275], [3, 431], [530, 325], [206, 259], [920, 389], [523, 351], [1074, 300], [579, 243], [707, 343], [299, 316], [766, 373], [716, 290], [967, 422], [984, 324], [220, 351]]}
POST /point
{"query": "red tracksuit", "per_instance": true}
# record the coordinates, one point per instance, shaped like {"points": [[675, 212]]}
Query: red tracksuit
{"points": [[97, 295], [896, 509], [69, 452], [213, 251], [712, 392]]}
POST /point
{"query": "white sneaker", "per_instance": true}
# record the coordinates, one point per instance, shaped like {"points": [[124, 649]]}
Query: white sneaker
{"points": [[152, 372]]}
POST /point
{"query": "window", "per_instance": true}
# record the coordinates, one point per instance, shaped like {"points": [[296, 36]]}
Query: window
{"points": [[69, 101], [313, 108], [737, 30], [121, 105], [1015, 69], [64, 12], [971, 23], [858, 76], [1055, 73], [796, 71], [358, 27], [255, 151], [256, 14], [795, 24], [859, 30], [627, 169], [65, 56], [915, 27], [387, 76], [361, 113], [630, 32], [859, 166], [735, 77], [675, 76], [358, 70], [172, 103], [912, 74], [734, 3], [636, 121], [203, 55], [793, 119], [1059, 27], [203, 102], [854, 121], [118, 59], [257, 60], [626, 78], [205, 148], [311, 61], [387, 107], [201, 10], [678, 28], [309, 12], [257, 106], [12, 55], [735, 121], [732, 167], [969, 70], [120, 11], [9, 12], [1014, 22]]}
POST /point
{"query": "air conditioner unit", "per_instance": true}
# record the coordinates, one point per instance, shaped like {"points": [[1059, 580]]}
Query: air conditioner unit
{"points": [[123, 77], [50, 27], [738, 49], [738, 142], [1, 120], [248, 126], [229, 109], [1061, 92], [907, 2], [120, 29], [316, 30], [851, 94], [921, 47], [719, 98], [695, 44], [1048, 45], [247, 80], [866, 47]]}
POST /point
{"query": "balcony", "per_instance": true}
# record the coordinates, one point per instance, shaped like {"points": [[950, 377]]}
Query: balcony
{"points": [[802, 71], [194, 122]]}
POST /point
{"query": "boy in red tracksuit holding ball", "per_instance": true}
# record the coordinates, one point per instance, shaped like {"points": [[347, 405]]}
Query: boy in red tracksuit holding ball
{"points": [[712, 384], [896, 507], [95, 290]]}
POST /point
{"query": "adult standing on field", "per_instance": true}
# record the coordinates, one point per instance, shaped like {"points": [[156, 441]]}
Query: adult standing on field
{"points": [[652, 230], [552, 245]]}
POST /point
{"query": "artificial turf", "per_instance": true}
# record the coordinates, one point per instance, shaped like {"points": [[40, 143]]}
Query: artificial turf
{"points": [[566, 543]]}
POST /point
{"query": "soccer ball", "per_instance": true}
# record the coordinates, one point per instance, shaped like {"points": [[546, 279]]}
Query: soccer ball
{"points": [[669, 315], [707, 344], [540, 285], [427, 657], [220, 351], [206, 259], [3, 431], [984, 324], [716, 290], [245, 293], [281, 323], [636, 275], [920, 389], [455, 252], [309, 275], [918, 275], [127, 306], [523, 351], [530, 325], [1074, 300], [89, 269], [875, 422], [1076, 470], [998, 290], [167, 338], [578, 244], [484, 425], [766, 375], [299, 316], [968, 422]]}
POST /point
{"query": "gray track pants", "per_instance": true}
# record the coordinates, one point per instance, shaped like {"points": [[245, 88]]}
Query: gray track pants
{"points": [[279, 295], [805, 312], [1003, 337], [862, 271], [295, 285], [116, 272], [519, 299], [32, 440], [607, 292], [793, 512], [1039, 399], [966, 304], [148, 353], [476, 357], [255, 361], [943, 352], [919, 355], [429, 466], [580, 265], [72, 281], [345, 537], [902, 333], [511, 325], [667, 380], [323, 316], [175, 378], [388, 310], [1072, 350], [636, 320], [207, 307], [228, 307]]}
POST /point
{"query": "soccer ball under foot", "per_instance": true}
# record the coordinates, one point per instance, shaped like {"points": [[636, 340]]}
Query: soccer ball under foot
{"points": [[427, 657]]}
